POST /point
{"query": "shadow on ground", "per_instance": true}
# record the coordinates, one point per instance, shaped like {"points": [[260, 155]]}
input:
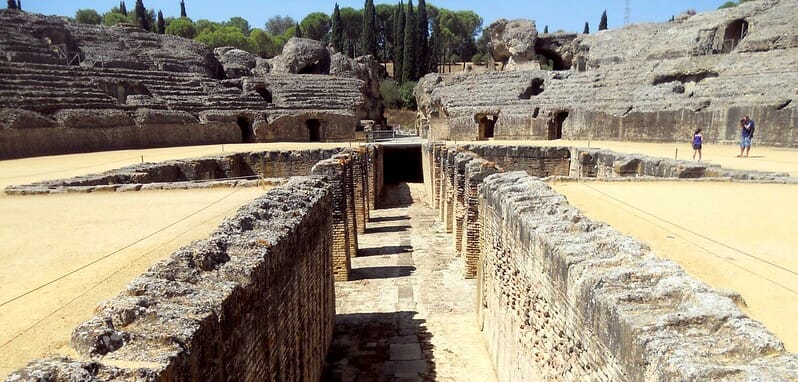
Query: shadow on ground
{"points": [[389, 218], [380, 347], [386, 250], [371, 273], [395, 195]]}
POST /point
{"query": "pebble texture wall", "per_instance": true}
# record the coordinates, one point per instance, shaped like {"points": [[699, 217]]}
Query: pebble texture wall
{"points": [[254, 301]]}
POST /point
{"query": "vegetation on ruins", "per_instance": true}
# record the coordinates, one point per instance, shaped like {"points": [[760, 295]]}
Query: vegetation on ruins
{"points": [[141, 15], [732, 4], [12, 4], [88, 16], [316, 26], [161, 25], [368, 37]]}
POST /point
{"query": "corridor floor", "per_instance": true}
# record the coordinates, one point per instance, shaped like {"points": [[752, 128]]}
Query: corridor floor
{"points": [[407, 313]]}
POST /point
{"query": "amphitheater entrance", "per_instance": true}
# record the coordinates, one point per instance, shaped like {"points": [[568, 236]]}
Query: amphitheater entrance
{"points": [[487, 125], [551, 60], [735, 32], [314, 130], [402, 163], [555, 125], [247, 134]]}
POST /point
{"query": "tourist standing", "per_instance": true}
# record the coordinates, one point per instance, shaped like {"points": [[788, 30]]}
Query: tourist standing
{"points": [[746, 134], [697, 141]]}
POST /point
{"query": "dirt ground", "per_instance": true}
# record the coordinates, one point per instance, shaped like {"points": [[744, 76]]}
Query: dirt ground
{"points": [[63, 254]]}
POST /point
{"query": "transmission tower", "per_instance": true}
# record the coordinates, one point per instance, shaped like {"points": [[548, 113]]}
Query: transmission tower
{"points": [[627, 13]]}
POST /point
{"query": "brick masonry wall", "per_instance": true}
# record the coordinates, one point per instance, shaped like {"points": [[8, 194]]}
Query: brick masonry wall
{"points": [[375, 175], [537, 161], [565, 298], [360, 186], [334, 170], [254, 301]]}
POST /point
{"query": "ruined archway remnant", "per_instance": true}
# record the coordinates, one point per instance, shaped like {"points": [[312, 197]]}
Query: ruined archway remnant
{"points": [[534, 88], [487, 125], [551, 60], [555, 125], [247, 134], [314, 130], [735, 32], [264, 93], [121, 90]]}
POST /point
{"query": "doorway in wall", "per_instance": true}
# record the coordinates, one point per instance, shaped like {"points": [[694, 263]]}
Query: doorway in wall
{"points": [[555, 125], [247, 134], [314, 130]]}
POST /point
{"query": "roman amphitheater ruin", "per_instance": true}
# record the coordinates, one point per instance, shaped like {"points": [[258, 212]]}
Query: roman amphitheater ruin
{"points": [[449, 257]]}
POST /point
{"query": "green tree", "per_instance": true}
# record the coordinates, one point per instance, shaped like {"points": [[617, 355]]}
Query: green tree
{"points": [[546, 29], [390, 94], [316, 26], [182, 27], [406, 96], [240, 23], [277, 25], [122, 8], [409, 56], [337, 30], [264, 44], [224, 36], [436, 45], [112, 18], [422, 40], [141, 15], [12, 4], [206, 25], [161, 28], [399, 38], [587, 28], [183, 9], [728, 4], [368, 42], [603, 22], [352, 21], [88, 16], [297, 31], [385, 30]]}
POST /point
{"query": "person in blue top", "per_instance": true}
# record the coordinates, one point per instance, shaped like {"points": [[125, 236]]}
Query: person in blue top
{"points": [[746, 134], [698, 139]]}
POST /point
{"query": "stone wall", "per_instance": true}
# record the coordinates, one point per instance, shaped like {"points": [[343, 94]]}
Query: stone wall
{"points": [[228, 169], [254, 301], [561, 297]]}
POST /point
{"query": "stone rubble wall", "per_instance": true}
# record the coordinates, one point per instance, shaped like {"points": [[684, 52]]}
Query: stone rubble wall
{"points": [[235, 169], [561, 297], [254, 301]]}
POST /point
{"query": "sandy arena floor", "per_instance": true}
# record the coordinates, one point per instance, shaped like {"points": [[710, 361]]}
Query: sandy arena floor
{"points": [[62, 254]]}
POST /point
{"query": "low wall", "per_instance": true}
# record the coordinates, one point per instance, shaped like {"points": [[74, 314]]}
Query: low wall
{"points": [[565, 298], [561, 297], [230, 170], [254, 301]]}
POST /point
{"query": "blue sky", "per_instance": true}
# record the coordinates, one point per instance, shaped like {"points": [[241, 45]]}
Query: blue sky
{"points": [[569, 15]]}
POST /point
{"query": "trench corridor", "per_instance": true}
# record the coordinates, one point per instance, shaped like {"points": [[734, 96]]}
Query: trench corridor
{"points": [[407, 314]]}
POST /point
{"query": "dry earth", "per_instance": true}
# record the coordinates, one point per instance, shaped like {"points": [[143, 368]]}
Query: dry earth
{"points": [[78, 243]]}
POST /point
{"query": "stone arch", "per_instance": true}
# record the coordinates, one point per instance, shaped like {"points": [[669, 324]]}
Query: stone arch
{"points": [[245, 125], [487, 125], [552, 60], [734, 33], [555, 125], [314, 129], [321, 66], [264, 93]]}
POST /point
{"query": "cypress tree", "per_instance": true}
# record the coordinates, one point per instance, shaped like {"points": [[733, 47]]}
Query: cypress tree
{"points": [[19, 4], [183, 9], [546, 29], [297, 31], [435, 46], [122, 8], [409, 59], [337, 30], [368, 38], [603, 22], [161, 25], [398, 41], [422, 40], [141, 15], [587, 28], [12, 4]]}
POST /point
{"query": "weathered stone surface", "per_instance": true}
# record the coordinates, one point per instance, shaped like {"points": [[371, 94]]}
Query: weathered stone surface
{"points": [[644, 82], [21, 119], [302, 56], [236, 62], [513, 42]]}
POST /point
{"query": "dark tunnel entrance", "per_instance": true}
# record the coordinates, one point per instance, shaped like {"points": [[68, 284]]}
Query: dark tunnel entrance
{"points": [[314, 130], [555, 125], [402, 163], [247, 134]]}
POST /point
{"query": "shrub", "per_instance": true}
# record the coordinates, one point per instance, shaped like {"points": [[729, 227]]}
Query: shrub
{"points": [[390, 94], [408, 100]]}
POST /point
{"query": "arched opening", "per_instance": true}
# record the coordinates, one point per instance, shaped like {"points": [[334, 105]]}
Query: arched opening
{"points": [[314, 130], [487, 125], [317, 67], [555, 125], [551, 60], [735, 32], [264, 93], [534, 88], [247, 134]]}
